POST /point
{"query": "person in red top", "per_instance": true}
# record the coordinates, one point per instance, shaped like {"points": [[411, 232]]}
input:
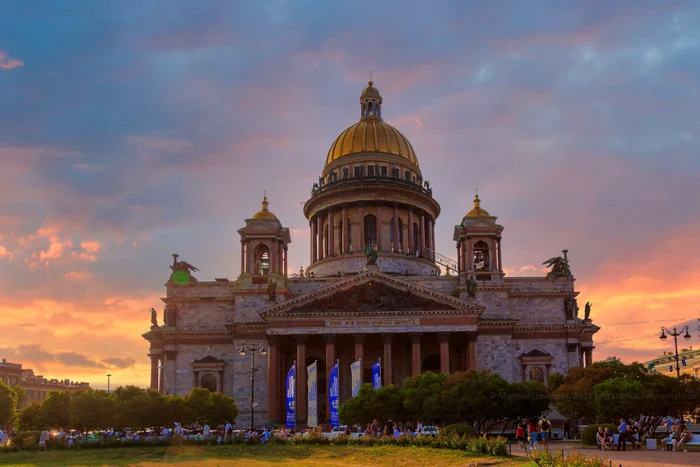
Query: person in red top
{"points": [[532, 433], [520, 436]]}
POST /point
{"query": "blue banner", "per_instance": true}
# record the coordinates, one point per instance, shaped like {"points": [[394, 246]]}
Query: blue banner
{"points": [[356, 369], [377, 375], [334, 395], [291, 399]]}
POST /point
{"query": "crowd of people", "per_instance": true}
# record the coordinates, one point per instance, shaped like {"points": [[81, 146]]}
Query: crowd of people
{"points": [[536, 431]]}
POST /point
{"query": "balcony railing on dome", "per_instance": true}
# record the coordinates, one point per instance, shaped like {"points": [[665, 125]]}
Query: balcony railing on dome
{"points": [[443, 260], [321, 187]]}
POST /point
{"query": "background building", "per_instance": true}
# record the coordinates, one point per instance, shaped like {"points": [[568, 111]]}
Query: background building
{"points": [[36, 386], [689, 363], [373, 289]]}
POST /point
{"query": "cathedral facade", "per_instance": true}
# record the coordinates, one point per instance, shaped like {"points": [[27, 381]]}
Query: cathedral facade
{"points": [[375, 288]]}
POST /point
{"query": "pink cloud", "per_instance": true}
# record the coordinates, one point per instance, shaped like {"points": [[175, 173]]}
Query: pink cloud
{"points": [[78, 275], [7, 63]]}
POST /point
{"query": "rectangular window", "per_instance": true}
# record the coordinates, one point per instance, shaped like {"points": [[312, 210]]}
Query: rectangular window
{"points": [[358, 171], [384, 171], [346, 173], [370, 170], [395, 172], [408, 176]]}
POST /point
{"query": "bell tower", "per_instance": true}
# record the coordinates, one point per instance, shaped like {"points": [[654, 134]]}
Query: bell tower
{"points": [[264, 244], [478, 239]]}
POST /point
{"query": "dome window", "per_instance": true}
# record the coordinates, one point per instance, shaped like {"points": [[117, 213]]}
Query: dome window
{"points": [[481, 256], [371, 230]]}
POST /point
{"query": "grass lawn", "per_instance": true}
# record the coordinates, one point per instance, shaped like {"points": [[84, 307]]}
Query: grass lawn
{"points": [[256, 456]]}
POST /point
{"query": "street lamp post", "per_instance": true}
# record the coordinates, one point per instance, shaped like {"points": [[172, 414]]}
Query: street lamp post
{"points": [[252, 349], [675, 335], [108, 376]]}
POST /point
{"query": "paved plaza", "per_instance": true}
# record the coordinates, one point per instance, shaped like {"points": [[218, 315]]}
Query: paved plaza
{"points": [[630, 458]]}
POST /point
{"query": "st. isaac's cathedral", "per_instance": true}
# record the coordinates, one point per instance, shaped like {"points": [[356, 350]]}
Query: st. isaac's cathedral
{"points": [[375, 288]]}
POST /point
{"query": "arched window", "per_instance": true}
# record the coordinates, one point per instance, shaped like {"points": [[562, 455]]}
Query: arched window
{"points": [[481, 256], [370, 230], [209, 382], [536, 374], [262, 260]]}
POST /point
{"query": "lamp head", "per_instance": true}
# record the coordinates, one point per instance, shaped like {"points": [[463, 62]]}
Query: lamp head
{"points": [[241, 352], [663, 335], [687, 335], [263, 351]]}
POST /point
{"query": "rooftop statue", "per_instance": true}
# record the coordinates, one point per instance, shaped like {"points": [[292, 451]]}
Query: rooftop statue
{"points": [[559, 265], [154, 318], [471, 287], [371, 255], [272, 290], [182, 271], [587, 311]]}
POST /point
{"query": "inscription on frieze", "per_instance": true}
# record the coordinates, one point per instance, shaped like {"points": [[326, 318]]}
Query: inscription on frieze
{"points": [[371, 322]]}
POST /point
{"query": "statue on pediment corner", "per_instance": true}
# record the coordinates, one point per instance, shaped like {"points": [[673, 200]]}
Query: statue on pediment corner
{"points": [[272, 290], [471, 287], [154, 318], [587, 312]]}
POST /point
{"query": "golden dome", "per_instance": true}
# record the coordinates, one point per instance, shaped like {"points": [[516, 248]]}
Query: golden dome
{"points": [[478, 211], [264, 213], [371, 135]]}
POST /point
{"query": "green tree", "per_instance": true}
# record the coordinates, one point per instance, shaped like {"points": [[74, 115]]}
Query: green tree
{"points": [[198, 407], [478, 398], [30, 417], [91, 410], [383, 404], [526, 400], [21, 396], [423, 397], [554, 381], [55, 410], [8, 404], [224, 409]]}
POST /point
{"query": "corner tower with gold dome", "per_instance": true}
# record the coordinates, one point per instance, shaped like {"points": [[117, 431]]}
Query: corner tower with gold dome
{"points": [[371, 194]]}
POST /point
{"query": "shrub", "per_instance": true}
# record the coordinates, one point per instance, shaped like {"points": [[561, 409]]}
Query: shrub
{"points": [[589, 433], [575, 459], [461, 429]]}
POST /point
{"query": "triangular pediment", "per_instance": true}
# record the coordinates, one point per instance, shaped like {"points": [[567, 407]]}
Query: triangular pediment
{"points": [[372, 291], [208, 359], [482, 223], [261, 226]]}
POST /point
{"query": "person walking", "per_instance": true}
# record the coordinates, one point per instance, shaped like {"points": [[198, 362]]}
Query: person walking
{"points": [[567, 430], [545, 429], [532, 434], [520, 436], [622, 440]]}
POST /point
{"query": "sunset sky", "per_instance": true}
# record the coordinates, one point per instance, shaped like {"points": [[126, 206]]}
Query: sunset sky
{"points": [[132, 130]]}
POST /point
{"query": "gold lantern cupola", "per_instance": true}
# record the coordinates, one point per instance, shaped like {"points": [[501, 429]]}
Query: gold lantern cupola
{"points": [[264, 213], [478, 211], [371, 102]]}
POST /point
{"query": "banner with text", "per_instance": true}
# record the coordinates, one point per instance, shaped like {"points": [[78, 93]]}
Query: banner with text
{"points": [[377, 375], [334, 395], [291, 403], [312, 385], [356, 369]]}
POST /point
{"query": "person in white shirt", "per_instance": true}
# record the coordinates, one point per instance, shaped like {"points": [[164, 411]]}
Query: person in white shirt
{"points": [[206, 430]]}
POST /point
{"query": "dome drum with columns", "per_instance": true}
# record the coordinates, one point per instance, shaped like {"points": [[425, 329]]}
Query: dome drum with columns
{"points": [[404, 310], [372, 188]]}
